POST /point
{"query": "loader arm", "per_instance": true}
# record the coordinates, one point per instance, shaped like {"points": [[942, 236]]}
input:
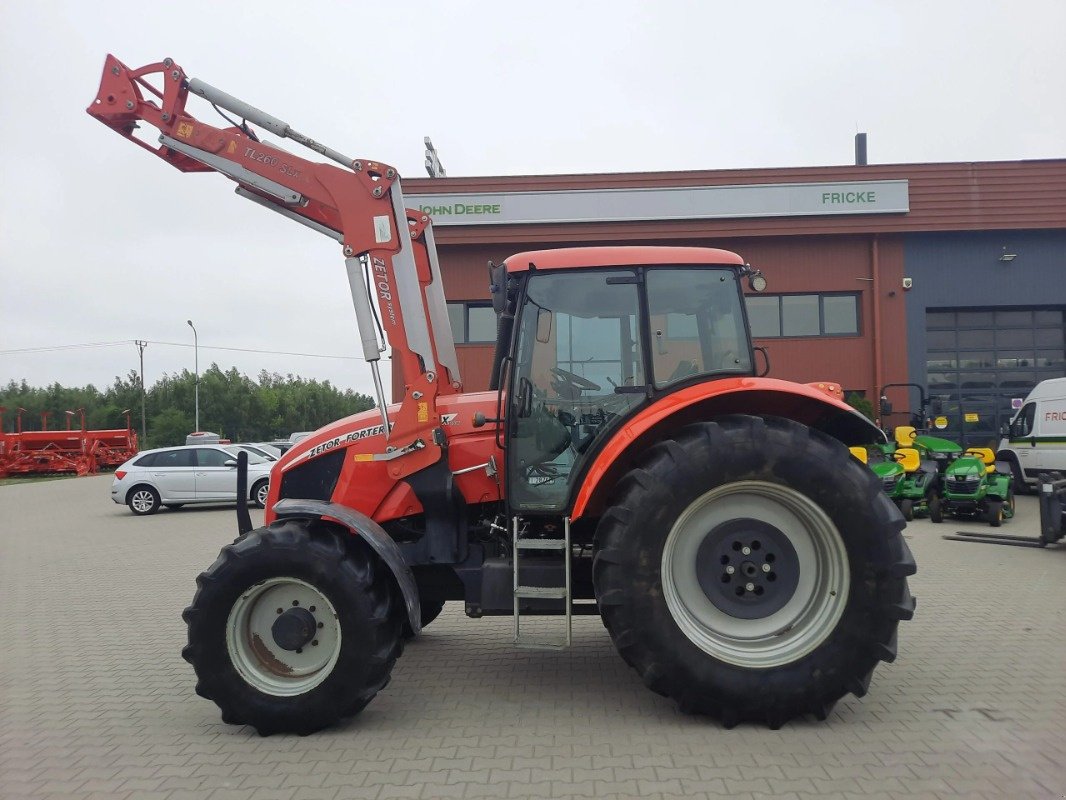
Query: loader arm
{"points": [[388, 250]]}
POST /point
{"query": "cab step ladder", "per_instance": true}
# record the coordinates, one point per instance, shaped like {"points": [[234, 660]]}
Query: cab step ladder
{"points": [[563, 593]]}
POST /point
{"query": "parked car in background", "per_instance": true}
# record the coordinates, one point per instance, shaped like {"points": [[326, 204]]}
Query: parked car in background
{"points": [[295, 437], [281, 444], [257, 449], [174, 476], [272, 449]]}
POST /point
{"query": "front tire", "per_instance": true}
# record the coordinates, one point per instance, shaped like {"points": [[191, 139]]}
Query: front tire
{"points": [[291, 631], [906, 508], [994, 514], [728, 499], [936, 510]]}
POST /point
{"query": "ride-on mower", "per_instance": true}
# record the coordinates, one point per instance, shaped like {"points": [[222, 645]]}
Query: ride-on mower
{"points": [[912, 484], [976, 486], [628, 462]]}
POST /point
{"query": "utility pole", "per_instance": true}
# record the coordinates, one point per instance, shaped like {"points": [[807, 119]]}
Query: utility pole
{"points": [[196, 348], [141, 344]]}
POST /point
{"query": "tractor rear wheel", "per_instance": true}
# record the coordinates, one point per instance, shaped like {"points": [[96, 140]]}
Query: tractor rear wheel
{"points": [[752, 570], [290, 630]]}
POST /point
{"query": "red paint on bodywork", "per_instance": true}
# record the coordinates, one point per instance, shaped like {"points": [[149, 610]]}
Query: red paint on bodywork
{"points": [[369, 487], [796, 401], [580, 257]]}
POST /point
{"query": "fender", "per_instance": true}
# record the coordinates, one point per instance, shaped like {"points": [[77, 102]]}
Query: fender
{"points": [[800, 402], [371, 533]]}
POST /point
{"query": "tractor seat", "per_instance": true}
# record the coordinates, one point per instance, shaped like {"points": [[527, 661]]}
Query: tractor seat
{"points": [[908, 458], [905, 435], [860, 453], [986, 455]]}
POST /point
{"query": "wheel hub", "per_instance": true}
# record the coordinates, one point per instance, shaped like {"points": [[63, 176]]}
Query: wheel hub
{"points": [[294, 628], [747, 568]]}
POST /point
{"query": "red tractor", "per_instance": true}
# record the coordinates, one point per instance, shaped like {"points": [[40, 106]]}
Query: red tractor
{"points": [[627, 462]]}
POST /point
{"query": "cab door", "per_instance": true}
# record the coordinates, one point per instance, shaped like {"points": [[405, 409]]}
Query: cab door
{"points": [[578, 371]]}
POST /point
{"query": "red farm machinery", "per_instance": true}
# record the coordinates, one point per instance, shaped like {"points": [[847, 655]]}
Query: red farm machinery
{"points": [[51, 452], [628, 462]]}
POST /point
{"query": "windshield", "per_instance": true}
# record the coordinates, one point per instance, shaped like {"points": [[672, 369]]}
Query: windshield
{"points": [[253, 457]]}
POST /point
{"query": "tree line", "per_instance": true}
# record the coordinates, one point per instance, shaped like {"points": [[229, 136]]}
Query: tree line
{"points": [[231, 404]]}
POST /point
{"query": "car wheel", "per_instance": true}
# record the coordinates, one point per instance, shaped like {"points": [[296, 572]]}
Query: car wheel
{"points": [[259, 494], [143, 500]]}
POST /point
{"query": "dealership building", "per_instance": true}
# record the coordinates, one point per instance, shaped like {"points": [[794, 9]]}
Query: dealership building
{"points": [[951, 276]]}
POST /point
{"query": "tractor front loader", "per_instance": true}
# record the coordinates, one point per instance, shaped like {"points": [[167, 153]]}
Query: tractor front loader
{"points": [[626, 462]]}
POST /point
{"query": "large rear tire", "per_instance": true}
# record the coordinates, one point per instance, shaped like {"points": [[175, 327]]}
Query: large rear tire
{"points": [[291, 630], [752, 570]]}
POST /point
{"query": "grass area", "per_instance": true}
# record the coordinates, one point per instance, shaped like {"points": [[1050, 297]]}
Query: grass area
{"points": [[34, 479]]}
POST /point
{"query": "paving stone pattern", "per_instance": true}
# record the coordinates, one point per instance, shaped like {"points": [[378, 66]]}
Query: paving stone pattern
{"points": [[96, 702]]}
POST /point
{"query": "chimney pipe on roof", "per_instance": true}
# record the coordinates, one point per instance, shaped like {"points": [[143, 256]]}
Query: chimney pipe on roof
{"points": [[860, 149]]}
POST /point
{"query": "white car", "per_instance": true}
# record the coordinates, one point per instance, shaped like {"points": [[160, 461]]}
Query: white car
{"points": [[174, 476]]}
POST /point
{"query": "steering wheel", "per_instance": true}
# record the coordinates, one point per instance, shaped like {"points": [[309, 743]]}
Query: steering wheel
{"points": [[576, 381]]}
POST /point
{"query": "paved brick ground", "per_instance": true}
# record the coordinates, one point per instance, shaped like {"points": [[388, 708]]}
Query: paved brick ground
{"points": [[95, 700]]}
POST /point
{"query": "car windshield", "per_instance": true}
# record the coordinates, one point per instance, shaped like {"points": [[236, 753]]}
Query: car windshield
{"points": [[253, 457]]}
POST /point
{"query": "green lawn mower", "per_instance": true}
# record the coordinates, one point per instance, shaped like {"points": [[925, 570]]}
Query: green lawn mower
{"points": [[976, 486], [908, 481]]}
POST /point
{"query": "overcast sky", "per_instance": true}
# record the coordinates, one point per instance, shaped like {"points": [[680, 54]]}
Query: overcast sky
{"points": [[100, 242]]}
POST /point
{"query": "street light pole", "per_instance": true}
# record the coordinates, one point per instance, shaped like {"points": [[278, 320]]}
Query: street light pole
{"points": [[196, 349]]}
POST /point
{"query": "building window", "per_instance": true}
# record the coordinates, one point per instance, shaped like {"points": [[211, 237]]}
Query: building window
{"points": [[787, 315], [472, 323]]}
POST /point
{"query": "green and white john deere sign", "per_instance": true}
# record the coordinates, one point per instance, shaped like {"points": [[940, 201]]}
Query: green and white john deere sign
{"points": [[687, 202]]}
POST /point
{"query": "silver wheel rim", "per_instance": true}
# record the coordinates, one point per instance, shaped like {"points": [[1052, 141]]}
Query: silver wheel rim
{"points": [[257, 656], [804, 622], [142, 501], [261, 494]]}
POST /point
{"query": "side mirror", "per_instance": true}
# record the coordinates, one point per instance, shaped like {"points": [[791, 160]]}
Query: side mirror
{"points": [[886, 406], [544, 325], [229, 463], [1004, 429], [766, 359]]}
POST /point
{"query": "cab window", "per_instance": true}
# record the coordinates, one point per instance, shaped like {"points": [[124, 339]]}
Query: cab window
{"points": [[1023, 423], [697, 324]]}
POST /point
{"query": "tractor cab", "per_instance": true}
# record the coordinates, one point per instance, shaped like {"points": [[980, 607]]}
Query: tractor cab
{"points": [[599, 332]]}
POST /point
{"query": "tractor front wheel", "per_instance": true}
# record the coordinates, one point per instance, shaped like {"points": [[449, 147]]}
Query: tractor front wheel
{"points": [[291, 630], [751, 569]]}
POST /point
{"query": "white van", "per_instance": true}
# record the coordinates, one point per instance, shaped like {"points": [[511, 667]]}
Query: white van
{"points": [[1035, 441]]}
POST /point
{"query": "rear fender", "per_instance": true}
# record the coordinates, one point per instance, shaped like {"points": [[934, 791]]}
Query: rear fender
{"points": [[703, 402], [370, 532]]}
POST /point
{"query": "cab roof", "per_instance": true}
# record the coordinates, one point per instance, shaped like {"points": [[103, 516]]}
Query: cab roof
{"points": [[579, 257]]}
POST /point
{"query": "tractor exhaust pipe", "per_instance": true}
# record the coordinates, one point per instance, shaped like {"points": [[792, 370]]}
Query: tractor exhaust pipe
{"points": [[244, 519]]}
